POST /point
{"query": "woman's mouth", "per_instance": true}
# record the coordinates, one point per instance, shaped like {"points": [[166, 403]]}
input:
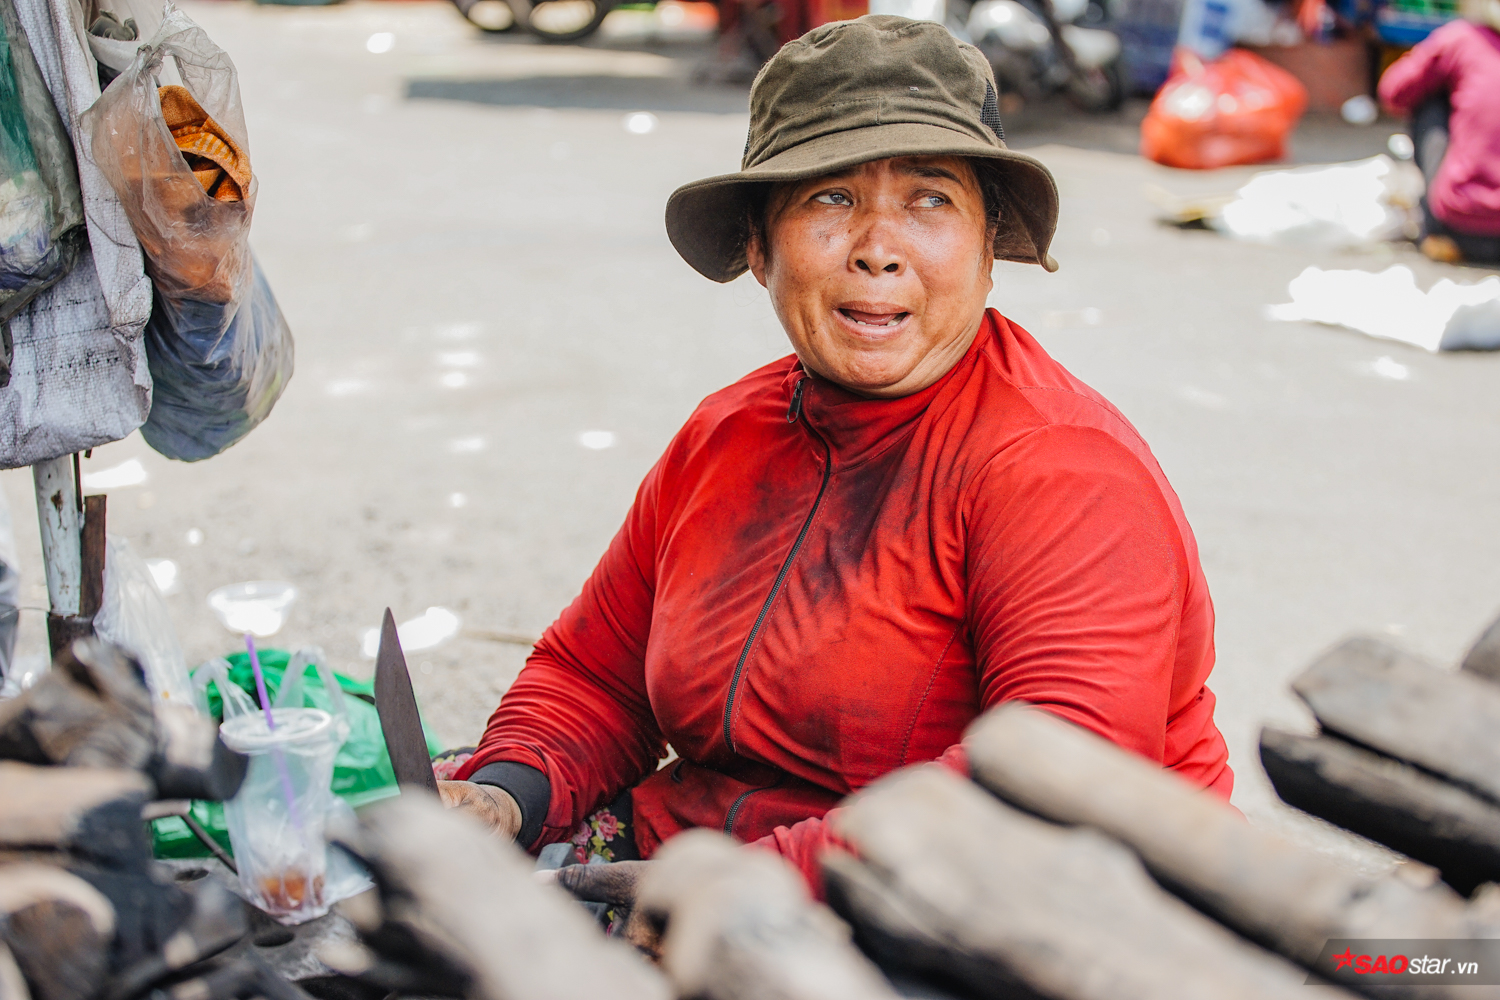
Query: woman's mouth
{"points": [[874, 320]]}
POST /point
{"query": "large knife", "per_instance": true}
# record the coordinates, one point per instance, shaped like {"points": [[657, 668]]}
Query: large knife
{"points": [[399, 721]]}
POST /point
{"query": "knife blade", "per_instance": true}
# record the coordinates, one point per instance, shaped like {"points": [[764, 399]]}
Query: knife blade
{"points": [[397, 706]]}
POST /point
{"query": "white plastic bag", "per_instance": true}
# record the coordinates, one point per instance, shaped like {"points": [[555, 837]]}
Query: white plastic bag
{"points": [[1350, 205], [1390, 306], [134, 616]]}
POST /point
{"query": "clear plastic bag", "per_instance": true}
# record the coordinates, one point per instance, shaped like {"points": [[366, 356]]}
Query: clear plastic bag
{"points": [[134, 616], [278, 821], [218, 370], [219, 349]]}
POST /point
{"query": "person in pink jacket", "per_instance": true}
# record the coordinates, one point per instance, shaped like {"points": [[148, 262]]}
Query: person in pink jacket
{"points": [[1450, 86]]}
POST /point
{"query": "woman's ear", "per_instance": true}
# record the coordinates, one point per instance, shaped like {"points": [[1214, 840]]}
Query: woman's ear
{"points": [[755, 256]]}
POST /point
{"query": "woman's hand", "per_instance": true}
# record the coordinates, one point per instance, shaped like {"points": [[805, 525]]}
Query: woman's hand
{"points": [[490, 805]]}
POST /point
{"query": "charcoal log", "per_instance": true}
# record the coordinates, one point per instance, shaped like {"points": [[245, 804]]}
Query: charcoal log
{"points": [[93, 709], [1252, 880], [1377, 695], [1016, 906], [165, 929], [58, 930], [190, 760], [90, 819], [12, 983], [612, 884], [462, 911], [93, 813], [1483, 659], [1393, 803], [739, 925]]}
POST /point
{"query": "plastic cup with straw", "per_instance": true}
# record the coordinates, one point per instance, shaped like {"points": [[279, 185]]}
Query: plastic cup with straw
{"points": [[259, 608]]}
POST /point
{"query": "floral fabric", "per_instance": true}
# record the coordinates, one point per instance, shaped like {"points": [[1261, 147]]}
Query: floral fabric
{"points": [[607, 833], [446, 764]]}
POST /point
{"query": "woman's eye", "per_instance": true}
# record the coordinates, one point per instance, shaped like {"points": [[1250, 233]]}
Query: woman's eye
{"points": [[932, 201], [833, 198]]}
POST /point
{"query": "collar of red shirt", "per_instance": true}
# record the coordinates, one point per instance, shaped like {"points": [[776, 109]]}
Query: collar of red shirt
{"points": [[857, 428]]}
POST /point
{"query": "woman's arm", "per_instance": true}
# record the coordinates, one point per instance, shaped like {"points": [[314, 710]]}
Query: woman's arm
{"points": [[1077, 584], [576, 727], [1416, 76]]}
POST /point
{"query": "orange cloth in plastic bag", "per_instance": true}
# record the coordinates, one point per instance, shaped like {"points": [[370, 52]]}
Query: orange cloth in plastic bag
{"points": [[1238, 108], [215, 158]]}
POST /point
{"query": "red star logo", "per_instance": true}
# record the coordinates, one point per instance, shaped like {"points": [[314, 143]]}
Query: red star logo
{"points": [[1339, 961]]}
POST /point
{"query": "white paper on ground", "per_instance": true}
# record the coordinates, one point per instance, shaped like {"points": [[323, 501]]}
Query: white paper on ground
{"points": [[1341, 205], [1390, 306]]}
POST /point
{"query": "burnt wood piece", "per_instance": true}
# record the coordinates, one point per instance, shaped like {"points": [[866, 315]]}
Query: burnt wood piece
{"points": [[94, 813], [907, 942], [1380, 696], [191, 761], [165, 931], [1250, 879], [12, 983], [91, 710], [91, 817], [95, 548], [1483, 659], [94, 710], [460, 908], [64, 630], [1394, 803], [613, 884], [739, 925], [58, 929], [1015, 906]]}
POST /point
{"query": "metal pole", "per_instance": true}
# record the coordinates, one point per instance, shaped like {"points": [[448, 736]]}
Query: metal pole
{"points": [[62, 549]]}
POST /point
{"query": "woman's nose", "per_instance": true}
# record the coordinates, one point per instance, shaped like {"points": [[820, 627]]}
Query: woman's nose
{"points": [[865, 265], [874, 252]]}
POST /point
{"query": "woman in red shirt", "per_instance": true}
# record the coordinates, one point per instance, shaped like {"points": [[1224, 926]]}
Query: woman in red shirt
{"points": [[845, 557]]}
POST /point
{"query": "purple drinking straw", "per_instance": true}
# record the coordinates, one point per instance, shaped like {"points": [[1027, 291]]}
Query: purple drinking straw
{"points": [[265, 704], [260, 681]]}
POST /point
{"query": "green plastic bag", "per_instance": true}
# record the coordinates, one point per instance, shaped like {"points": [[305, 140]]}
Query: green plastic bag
{"points": [[361, 772]]}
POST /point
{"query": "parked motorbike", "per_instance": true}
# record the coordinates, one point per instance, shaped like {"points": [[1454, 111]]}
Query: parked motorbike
{"points": [[1041, 47], [549, 20], [1037, 47]]}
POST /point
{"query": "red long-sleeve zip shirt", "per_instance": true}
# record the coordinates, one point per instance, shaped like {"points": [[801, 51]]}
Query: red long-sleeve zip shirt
{"points": [[813, 589]]}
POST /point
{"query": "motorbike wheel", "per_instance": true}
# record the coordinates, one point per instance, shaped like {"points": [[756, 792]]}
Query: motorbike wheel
{"points": [[567, 20], [493, 17], [1098, 89]]}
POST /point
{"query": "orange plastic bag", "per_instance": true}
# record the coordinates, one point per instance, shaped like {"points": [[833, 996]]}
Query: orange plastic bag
{"points": [[1238, 108]]}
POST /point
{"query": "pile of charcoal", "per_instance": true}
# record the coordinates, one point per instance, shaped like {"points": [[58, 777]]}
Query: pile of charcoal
{"points": [[1063, 867], [1409, 755], [1066, 868], [86, 757]]}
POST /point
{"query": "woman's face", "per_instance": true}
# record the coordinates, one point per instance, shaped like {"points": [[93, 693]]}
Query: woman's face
{"points": [[879, 273]]}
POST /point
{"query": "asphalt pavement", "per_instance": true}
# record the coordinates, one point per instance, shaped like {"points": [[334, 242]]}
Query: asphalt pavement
{"points": [[495, 341]]}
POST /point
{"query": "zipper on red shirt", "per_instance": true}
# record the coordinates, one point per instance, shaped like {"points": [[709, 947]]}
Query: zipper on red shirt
{"points": [[734, 810], [793, 413]]}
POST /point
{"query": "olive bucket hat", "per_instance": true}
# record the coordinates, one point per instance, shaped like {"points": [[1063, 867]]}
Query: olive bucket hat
{"points": [[854, 91]]}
